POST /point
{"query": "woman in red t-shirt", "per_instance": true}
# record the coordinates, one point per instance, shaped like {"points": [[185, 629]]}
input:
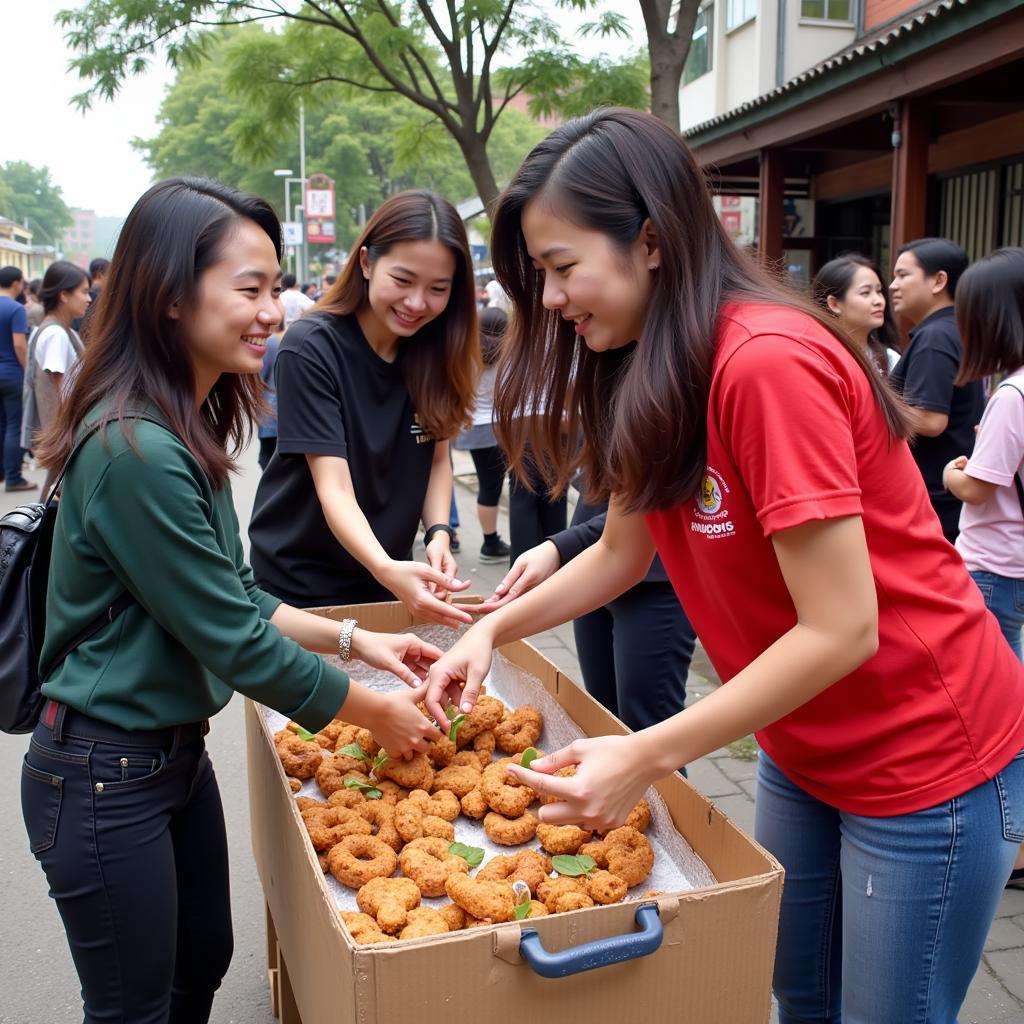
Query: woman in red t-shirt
{"points": [[753, 446]]}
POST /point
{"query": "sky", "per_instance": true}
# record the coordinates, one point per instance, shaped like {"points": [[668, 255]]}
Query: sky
{"points": [[90, 155]]}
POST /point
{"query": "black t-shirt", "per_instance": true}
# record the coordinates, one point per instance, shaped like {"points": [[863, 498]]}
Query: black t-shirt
{"points": [[336, 396], [925, 377]]}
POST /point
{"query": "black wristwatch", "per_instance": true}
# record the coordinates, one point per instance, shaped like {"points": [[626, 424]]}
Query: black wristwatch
{"points": [[428, 535]]}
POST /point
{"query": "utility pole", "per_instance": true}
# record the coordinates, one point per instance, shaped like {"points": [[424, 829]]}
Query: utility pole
{"points": [[302, 175]]}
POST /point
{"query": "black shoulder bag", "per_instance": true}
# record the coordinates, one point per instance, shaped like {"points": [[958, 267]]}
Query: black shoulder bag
{"points": [[26, 541]]}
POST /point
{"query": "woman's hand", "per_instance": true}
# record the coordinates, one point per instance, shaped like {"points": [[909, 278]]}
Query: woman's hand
{"points": [[399, 726], [403, 654], [413, 583], [439, 557], [456, 677], [612, 774], [529, 569]]}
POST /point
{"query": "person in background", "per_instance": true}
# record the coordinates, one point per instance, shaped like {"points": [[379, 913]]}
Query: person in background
{"points": [[13, 354], [33, 305], [267, 429], [740, 436], [496, 297], [923, 290], [990, 316], [480, 442], [53, 351], [295, 302], [371, 383], [138, 867], [851, 289], [98, 270]]}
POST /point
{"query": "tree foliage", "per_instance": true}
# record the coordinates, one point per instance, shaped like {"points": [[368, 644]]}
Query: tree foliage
{"points": [[219, 120], [28, 195], [441, 58]]}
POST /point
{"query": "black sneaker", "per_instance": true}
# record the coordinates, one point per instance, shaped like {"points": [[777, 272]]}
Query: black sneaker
{"points": [[1016, 879], [494, 551], [455, 547]]}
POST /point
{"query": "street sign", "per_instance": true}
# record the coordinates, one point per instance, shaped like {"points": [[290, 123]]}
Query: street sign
{"points": [[321, 231], [292, 230], [320, 197]]}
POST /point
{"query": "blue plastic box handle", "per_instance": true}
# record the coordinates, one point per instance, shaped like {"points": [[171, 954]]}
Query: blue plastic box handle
{"points": [[600, 953]]}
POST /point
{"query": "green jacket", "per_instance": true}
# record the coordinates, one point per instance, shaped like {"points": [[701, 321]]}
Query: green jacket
{"points": [[150, 522]]}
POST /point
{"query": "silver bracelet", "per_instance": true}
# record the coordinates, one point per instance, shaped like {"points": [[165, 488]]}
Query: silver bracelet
{"points": [[345, 639]]}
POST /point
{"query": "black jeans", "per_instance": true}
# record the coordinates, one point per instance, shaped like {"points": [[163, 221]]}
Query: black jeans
{"points": [[490, 474], [10, 430], [129, 830], [635, 654], [532, 516]]}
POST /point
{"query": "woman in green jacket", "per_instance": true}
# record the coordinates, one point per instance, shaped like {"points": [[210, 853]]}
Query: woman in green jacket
{"points": [[118, 793]]}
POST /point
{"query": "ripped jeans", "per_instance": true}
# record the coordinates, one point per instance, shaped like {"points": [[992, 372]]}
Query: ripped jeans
{"points": [[884, 919]]}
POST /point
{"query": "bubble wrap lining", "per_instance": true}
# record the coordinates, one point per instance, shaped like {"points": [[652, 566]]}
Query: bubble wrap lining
{"points": [[676, 867]]}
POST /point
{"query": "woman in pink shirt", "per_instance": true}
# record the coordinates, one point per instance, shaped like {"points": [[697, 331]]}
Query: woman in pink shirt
{"points": [[990, 316]]}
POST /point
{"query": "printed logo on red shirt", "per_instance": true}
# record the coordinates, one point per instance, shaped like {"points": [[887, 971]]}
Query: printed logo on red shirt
{"points": [[711, 518]]}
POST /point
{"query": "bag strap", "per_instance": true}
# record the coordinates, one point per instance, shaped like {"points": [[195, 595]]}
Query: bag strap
{"points": [[1016, 476], [126, 600]]}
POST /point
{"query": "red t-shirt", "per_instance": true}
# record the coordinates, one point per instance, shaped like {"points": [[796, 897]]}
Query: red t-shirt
{"points": [[795, 435]]}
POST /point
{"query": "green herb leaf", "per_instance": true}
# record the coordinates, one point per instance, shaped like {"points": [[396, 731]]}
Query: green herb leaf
{"points": [[573, 866], [472, 855], [522, 910], [530, 754], [380, 760], [304, 734], [453, 732], [450, 711], [370, 792], [354, 750]]}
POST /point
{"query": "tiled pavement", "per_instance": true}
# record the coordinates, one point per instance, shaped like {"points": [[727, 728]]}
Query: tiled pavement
{"points": [[997, 992]]}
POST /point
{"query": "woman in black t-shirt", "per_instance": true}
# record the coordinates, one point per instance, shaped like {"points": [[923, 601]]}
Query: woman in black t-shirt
{"points": [[371, 384]]}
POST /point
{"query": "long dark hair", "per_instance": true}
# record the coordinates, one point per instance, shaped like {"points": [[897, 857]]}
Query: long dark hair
{"points": [[442, 366], [642, 409], [136, 354], [493, 325], [61, 276], [990, 315], [835, 279]]}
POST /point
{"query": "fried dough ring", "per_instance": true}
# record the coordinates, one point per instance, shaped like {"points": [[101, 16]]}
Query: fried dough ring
{"points": [[595, 851], [510, 831], [330, 825], [561, 839], [473, 804], [333, 770], [485, 900], [529, 866], [563, 893], [389, 901], [603, 887], [299, 758], [351, 798], [629, 853], [507, 798], [357, 859], [415, 773], [454, 916], [382, 817], [441, 752], [521, 730], [485, 716], [442, 804], [457, 779], [429, 864], [483, 746], [424, 921], [294, 785], [363, 929]]}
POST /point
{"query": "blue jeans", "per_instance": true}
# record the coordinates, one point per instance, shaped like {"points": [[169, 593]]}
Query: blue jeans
{"points": [[884, 919], [10, 430], [1004, 598], [129, 830]]}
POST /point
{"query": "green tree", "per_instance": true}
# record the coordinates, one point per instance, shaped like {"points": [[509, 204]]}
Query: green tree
{"points": [[28, 195], [215, 123], [439, 58], [669, 31]]}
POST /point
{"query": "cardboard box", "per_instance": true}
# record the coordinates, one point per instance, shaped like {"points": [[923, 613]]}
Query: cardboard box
{"points": [[713, 966]]}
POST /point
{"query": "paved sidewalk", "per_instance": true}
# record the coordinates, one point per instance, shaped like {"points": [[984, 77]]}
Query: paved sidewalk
{"points": [[997, 992]]}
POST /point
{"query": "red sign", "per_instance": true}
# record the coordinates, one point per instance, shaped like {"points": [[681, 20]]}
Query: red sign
{"points": [[320, 209]]}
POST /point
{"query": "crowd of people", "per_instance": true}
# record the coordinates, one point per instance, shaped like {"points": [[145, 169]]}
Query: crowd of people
{"points": [[779, 476]]}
